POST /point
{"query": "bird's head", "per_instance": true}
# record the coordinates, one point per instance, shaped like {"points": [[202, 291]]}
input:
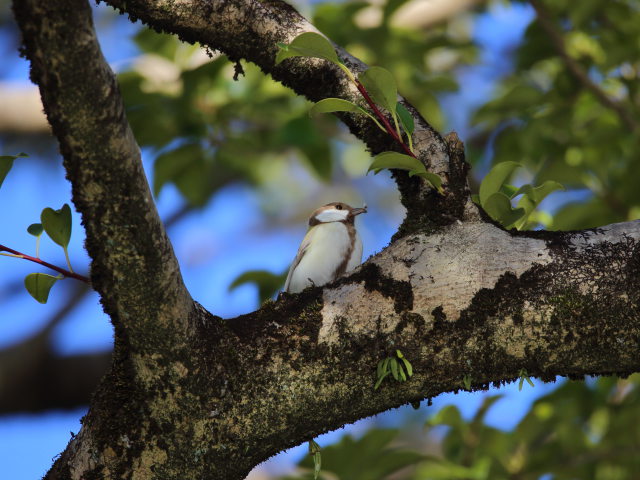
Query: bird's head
{"points": [[335, 212]]}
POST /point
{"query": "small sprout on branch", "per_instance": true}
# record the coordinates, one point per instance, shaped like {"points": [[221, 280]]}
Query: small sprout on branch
{"points": [[524, 376], [36, 230], [398, 366], [466, 382], [314, 451]]}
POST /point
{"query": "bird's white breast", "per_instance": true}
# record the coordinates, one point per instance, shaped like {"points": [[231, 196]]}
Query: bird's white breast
{"points": [[328, 245]]}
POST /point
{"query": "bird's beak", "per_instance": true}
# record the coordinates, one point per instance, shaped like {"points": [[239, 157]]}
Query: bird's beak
{"points": [[358, 211]]}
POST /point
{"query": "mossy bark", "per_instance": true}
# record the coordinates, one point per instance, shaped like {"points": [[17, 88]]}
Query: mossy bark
{"points": [[190, 395]]}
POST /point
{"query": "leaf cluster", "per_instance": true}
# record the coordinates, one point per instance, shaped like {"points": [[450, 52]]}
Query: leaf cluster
{"points": [[380, 92], [496, 196], [397, 366]]}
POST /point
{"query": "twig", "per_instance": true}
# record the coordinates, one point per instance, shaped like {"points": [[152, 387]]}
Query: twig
{"points": [[64, 272], [576, 69], [383, 118]]}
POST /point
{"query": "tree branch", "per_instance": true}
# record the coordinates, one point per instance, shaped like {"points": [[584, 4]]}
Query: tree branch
{"points": [[546, 22], [133, 266]]}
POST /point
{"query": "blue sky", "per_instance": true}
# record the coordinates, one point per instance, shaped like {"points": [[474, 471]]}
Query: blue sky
{"points": [[204, 242]]}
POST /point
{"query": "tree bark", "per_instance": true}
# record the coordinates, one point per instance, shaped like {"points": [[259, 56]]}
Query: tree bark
{"points": [[190, 395]]}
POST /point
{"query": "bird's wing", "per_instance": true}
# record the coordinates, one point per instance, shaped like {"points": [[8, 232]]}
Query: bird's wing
{"points": [[306, 241]]}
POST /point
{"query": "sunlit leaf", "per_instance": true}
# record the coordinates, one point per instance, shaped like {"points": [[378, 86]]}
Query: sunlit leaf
{"points": [[498, 206], [308, 44], [432, 178], [397, 160], [494, 180], [406, 119], [381, 87], [329, 105]]}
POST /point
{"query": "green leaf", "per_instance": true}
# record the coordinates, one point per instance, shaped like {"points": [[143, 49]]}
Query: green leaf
{"points": [[6, 162], [385, 365], [268, 283], [317, 465], [380, 379], [35, 229], [394, 368], [314, 451], [381, 87], [308, 44], [39, 285], [510, 190], [539, 193], [494, 180], [57, 224], [397, 160], [406, 120], [432, 178], [408, 366], [329, 105], [498, 206]]}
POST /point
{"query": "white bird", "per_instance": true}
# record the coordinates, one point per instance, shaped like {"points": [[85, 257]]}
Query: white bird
{"points": [[330, 248]]}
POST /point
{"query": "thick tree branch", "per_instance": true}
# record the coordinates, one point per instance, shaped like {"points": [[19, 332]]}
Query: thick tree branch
{"points": [[133, 267], [546, 22], [457, 297]]}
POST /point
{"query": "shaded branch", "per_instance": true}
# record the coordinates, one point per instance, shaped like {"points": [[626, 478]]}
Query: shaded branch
{"points": [[547, 23]]}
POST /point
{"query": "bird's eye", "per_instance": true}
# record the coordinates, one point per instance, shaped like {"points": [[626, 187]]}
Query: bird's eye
{"points": [[338, 207]]}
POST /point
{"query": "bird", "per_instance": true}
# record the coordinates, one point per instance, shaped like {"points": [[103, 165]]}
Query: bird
{"points": [[330, 248]]}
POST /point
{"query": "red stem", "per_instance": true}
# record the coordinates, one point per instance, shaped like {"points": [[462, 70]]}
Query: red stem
{"points": [[64, 272], [383, 118]]}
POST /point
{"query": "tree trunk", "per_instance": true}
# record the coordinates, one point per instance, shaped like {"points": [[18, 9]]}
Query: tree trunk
{"points": [[190, 395]]}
